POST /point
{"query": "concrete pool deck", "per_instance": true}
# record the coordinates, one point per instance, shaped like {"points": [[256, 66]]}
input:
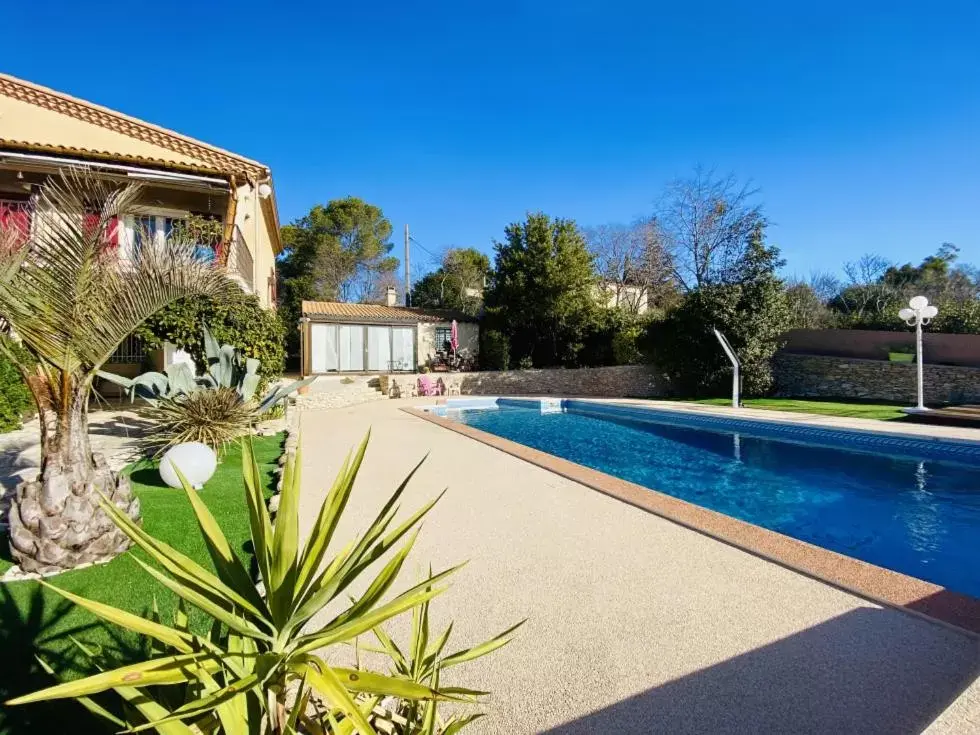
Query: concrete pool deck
{"points": [[635, 624]]}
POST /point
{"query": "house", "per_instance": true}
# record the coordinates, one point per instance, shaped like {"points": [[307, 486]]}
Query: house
{"points": [[43, 132], [632, 298], [380, 338]]}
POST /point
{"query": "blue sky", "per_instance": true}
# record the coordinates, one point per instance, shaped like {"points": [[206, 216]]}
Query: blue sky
{"points": [[860, 125]]}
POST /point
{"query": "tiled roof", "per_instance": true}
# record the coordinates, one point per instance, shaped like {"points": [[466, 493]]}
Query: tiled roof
{"points": [[214, 158], [336, 311]]}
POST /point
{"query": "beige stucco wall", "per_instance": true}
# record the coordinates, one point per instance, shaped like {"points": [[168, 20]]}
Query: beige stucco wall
{"points": [[256, 229], [469, 339], [27, 123]]}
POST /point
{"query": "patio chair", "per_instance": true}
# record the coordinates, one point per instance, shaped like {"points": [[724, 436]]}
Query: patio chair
{"points": [[427, 387]]}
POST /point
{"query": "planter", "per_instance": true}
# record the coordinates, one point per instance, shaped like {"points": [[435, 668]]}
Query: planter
{"points": [[901, 357]]}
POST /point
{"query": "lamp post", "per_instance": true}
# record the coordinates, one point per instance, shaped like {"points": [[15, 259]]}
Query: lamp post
{"points": [[917, 313]]}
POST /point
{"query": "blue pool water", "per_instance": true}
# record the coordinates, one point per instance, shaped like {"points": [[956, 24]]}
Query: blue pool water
{"points": [[918, 516]]}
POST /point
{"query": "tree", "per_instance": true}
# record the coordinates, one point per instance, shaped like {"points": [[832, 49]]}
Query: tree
{"points": [[72, 300], [633, 264], [457, 284], [704, 224], [337, 252], [541, 291], [752, 313]]}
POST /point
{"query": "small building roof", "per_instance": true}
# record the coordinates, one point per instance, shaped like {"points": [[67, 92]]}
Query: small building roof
{"points": [[338, 311]]}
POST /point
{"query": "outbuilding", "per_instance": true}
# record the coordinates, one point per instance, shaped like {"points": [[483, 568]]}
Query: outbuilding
{"points": [[339, 337]]}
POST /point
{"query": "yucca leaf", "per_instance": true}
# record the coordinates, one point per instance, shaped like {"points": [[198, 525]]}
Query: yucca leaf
{"points": [[181, 566], [299, 705], [205, 704], [165, 670], [369, 682], [329, 685], [437, 647], [168, 636], [381, 584], [407, 600], [90, 704], [481, 650], [258, 514], [459, 722], [226, 561], [236, 622], [379, 549], [285, 544], [328, 517], [392, 649]]}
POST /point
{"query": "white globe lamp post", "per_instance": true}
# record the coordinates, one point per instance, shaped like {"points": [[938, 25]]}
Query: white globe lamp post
{"points": [[196, 462], [918, 313]]}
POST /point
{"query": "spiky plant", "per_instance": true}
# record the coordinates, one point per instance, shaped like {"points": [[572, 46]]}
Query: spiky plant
{"points": [[237, 682], [422, 661], [213, 417], [72, 299]]}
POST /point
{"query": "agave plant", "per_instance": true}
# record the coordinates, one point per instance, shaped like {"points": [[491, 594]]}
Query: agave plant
{"points": [[237, 683], [71, 299], [227, 369], [213, 417]]}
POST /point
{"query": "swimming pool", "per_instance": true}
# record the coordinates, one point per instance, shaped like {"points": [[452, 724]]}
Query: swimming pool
{"points": [[907, 504]]}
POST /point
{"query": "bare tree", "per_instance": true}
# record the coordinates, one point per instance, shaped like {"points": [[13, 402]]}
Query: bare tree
{"points": [[704, 224], [633, 265], [866, 292]]}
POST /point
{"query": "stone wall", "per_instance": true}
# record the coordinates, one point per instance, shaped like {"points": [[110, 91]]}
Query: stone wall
{"points": [[820, 376], [614, 382]]}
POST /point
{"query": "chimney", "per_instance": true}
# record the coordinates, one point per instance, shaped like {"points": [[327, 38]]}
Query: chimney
{"points": [[391, 296]]}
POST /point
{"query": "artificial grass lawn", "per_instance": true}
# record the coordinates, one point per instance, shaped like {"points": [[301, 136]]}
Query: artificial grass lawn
{"points": [[882, 412], [37, 621]]}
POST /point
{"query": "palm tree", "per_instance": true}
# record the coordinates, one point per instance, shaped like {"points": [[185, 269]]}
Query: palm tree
{"points": [[71, 299]]}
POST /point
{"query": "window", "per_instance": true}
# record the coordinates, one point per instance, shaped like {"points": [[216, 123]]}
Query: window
{"points": [[443, 338]]}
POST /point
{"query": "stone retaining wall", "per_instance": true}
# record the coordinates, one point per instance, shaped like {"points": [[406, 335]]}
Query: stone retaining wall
{"points": [[620, 381], [819, 376]]}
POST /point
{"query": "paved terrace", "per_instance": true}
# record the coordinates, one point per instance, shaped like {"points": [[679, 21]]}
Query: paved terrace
{"points": [[636, 624]]}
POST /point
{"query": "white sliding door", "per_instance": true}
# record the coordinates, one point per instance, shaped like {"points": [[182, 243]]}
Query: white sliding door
{"points": [[379, 348], [403, 348], [351, 347], [323, 348]]}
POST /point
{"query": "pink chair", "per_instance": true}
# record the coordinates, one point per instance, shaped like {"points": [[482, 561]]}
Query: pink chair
{"points": [[427, 387]]}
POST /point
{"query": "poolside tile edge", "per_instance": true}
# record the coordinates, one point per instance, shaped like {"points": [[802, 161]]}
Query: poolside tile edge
{"points": [[877, 584]]}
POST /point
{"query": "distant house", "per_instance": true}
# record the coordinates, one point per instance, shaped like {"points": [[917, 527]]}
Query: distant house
{"points": [[375, 338], [629, 297], [44, 132]]}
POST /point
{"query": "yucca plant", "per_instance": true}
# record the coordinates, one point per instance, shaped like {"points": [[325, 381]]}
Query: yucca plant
{"points": [[72, 299], [240, 680], [213, 417], [422, 661]]}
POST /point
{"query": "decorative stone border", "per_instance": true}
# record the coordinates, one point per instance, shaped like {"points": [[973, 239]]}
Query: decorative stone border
{"points": [[852, 575]]}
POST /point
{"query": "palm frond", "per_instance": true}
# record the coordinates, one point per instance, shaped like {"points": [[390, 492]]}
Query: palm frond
{"points": [[72, 298]]}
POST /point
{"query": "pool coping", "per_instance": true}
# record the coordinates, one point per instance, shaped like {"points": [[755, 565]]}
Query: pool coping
{"points": [[877, 584]]}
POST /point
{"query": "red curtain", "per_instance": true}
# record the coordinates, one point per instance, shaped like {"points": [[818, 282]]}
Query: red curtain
{"points": [[14, 216], [110, 237]]}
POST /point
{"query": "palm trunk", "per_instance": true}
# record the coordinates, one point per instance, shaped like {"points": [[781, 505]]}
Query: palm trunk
{"points": [[55, 520]]}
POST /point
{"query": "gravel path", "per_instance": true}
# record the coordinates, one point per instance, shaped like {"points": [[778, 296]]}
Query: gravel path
{"points": [[636, 625]]}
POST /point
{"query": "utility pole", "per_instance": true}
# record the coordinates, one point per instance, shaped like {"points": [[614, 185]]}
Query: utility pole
{"points": [[408, 272]]}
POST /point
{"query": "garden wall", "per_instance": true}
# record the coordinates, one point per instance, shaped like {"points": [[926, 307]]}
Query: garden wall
{"points": [[621, 381], [939, 348], [821, 376]]}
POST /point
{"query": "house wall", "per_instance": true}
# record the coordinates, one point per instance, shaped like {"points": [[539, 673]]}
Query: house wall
{"points": [[253, 222], [469, 339]]}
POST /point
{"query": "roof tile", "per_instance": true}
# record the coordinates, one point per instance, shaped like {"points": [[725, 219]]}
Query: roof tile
{"points": [[337, 311]]}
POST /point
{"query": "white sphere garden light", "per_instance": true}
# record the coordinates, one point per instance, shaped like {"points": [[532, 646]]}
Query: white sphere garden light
{"points": [[196, 461], [918, 313]]}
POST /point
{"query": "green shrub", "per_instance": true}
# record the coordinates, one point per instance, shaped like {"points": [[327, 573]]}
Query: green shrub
{"points": [[240, 322], [626, 345], [16, 403], [494, 350]]}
